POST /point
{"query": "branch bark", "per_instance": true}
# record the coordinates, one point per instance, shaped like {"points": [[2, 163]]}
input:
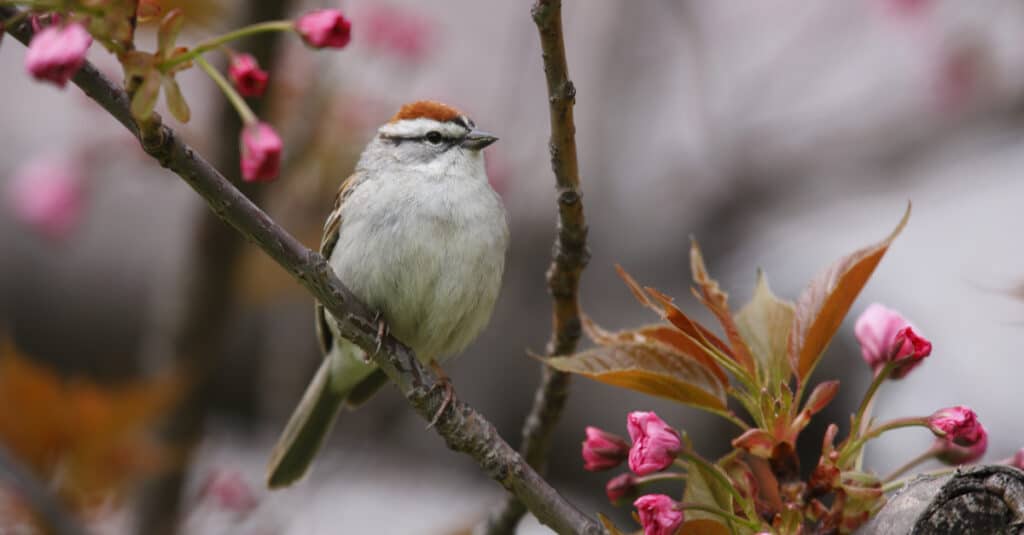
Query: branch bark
{"points": [[462, 428], [50, 513], [569, 257]]}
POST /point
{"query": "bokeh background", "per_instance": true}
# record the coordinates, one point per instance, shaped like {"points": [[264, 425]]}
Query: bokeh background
{"points": [[781, 134]]}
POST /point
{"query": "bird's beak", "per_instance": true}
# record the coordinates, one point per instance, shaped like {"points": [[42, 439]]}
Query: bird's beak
{"points": [[478, 139]]}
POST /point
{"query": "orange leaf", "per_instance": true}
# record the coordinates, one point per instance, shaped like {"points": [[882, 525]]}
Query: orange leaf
{"points": [[652, 368], [717, 301], [93, 439], [666, 334], [826, 300]]}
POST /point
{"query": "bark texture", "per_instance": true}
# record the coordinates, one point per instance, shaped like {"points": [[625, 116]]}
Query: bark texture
{"points": [[981, 500]]}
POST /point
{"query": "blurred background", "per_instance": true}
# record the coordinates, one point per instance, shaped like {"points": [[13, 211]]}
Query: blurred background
{"points": [[781, 134]]}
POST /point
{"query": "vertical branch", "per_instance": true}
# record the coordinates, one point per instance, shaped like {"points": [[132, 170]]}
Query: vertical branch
{"points": [[197, 343], [569, 256]]}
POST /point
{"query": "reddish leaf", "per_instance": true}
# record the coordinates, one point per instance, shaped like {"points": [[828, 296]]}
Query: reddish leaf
{"points": [[712, 296], [652, 368], [821, 396], [757, 442], [765, 322], [666, 334], [669, 312], [826, 300]]}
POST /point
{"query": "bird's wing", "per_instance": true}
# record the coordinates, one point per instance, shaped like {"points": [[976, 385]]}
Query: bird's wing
{"points": [[330, 238]]}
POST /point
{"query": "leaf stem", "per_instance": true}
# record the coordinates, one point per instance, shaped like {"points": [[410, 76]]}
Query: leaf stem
{"points": [[924, 456], [216, 42], [856, 443], [236, 100], [729, 517], [876, 382]]}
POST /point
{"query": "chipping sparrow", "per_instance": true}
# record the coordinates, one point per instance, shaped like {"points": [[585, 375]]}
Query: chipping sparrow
{"points": [[418, 234]]}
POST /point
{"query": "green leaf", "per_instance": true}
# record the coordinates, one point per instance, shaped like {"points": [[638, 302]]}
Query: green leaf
{"points": [[717, 301], [764, 323], [704, 526], [826, 300], [652, 368], [175, 101], [146, 95], [703, 488]]}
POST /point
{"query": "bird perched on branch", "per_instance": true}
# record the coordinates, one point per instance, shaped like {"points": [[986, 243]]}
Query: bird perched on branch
{"points": [[418, 234]]}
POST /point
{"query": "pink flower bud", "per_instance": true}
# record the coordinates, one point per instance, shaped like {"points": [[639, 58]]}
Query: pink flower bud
{"points": [[885, 336], [655, 444], [1018, 459], [228, 490], [248, 77], [957, 424], [261, 153], [620, 487], [603, 450], [324, 28], [953, 453], [658, 514], [47, 195], [55, 54]]}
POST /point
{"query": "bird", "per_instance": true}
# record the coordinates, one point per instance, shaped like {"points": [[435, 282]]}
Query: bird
{"points": [[420, 236]]}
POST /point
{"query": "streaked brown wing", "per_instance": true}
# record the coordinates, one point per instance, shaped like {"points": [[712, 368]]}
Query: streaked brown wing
{"points": [[330, 238]]}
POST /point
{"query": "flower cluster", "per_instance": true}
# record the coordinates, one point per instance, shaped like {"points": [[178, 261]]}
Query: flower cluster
{"points": [[58, 49], [764, 363]]}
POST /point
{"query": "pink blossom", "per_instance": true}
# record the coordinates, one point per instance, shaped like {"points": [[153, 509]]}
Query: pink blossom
{"points": [[1018, 459], [324, 28], [248, 77], [620, 487], [658, 514], [885, 336], [56, 53], [47, 195], [603, 450], [228, 490], [953, 452], [958, 424], [655, 444], [908, 8], [261, 153], [396, 31]]}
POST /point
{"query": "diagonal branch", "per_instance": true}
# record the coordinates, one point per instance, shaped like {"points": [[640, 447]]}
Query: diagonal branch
{"points": [[570, 256], [49, 511], [462, 428]]}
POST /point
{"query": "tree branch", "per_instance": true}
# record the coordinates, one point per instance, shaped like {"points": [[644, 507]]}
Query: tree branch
{"points": [[569, 254], [50, 513], [462, 428]]}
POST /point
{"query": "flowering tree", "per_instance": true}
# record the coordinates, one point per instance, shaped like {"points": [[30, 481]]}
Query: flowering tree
{"points": [[764, 362]]}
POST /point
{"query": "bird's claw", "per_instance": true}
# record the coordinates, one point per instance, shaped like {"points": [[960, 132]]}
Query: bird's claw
{"points": [[449, 393]]}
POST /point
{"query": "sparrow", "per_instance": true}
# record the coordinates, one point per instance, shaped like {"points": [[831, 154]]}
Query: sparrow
{"points": [[418, 234]]}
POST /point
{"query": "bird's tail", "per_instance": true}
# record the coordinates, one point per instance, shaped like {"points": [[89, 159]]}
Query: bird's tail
{"points": [[341, 371]]}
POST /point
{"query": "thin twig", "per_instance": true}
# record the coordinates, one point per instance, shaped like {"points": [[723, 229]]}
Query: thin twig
{"points": [[462, 428], [48, 509], [570, 256]]}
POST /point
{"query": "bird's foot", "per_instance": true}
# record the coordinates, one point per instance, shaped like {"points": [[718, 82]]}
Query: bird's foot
{"points": [[443, 381], [382, 331]]}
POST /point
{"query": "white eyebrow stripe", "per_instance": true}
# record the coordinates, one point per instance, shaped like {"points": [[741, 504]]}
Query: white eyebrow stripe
{"points": [[409, 128]]}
